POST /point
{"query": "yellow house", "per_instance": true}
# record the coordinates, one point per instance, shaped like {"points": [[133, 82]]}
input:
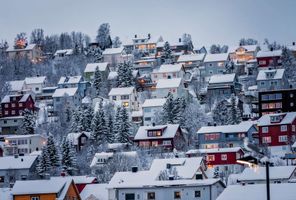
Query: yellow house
{"points": [[55, 188]]}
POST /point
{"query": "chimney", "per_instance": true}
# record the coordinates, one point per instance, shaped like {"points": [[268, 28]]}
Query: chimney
{"points": [[171, 177], [293, 43], [153, 124], [180, 40], [149, 35], [271, 48], [16, 156], [135, 169], [168, 166], [136, 36]]}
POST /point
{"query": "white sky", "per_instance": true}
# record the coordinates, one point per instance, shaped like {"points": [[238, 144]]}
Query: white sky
{"points": [[210, 21]]}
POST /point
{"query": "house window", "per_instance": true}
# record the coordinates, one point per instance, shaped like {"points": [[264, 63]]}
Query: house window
{"points": [[151, 195], [177, 195], [130, 196], [264, 129], [147, 119], [278, 96], [210, 158], [6, 112], [293, 128], [197, 193], [283, 138], [36, 89], [125, 104], [5, 121], [147, 110], [13, 112], [6, 105], [13, 105], [266, 140], [291, 104], [167, 142], [224, 157], [212, 136], [124, 97], [20, 104], [262, 62], [284, 128], [1, 179], [34, 198], [154, 143], [114, 98]]}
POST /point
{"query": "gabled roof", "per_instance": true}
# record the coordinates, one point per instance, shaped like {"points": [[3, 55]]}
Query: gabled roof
{"points": [[246, 47], [60, 92], [168, 83], [21, 162], [216, 150], [64, 51], [95, 191], [35, 80], [121, 91], [28, 48], [83, 179], [168, 68], [154, 102], [274, 53], [238, 128], [284, 191], [277, 172], [6, 193], [288, 119], [191, 57], [91, 67], [16, 85], [278, 74], [222, 78], [170, 131], [6, 98], [113, 51], [216, 57], [70, 80]]}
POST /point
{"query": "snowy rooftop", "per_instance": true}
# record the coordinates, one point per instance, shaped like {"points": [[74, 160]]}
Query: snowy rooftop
{"points": [[35, 80], [64, 91], [113, 51], [6, 194], [154, 102], [278, 172], [107, 155], [95, 192], [246, 47], [288, 118], [222, 78], [70, 80], [121, 91], [216, 150], [64, 51], [91, 67], [170, 131], [285, 191], [168, 83], [6, 98], [191, 57], [238, 128], [112, 75], [137, 113], [16, 85], [22, 162], [28, 47], [276, 74], [216, 57], [83, 179], [168, 68], [274, 53], [174, 43], [23, 136]]}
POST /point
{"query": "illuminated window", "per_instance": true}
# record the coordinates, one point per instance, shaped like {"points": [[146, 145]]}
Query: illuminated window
{"points": [[125, 104], [13, 105], [266, 140], [20, 104], [177, 195], [154, 143], [6, 105], [13, 112], [224, 157], [151, 195], [212, 136], [210, 158], [6, 112]]}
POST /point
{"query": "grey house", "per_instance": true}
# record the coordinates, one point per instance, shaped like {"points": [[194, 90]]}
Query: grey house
{"points": [[214, 64], [272, 79]]}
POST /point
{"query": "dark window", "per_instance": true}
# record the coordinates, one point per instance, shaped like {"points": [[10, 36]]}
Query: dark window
{"points": [[130, 196], [197, 193], [177, 195], [1, 179], [151, 195]]}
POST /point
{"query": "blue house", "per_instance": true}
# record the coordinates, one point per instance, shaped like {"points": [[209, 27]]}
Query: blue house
{"points": [[210, 137], [74, 82]]}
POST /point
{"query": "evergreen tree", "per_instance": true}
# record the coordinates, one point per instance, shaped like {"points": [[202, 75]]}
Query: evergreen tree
{"points": [[220, 113], [117, 123], [234, 112], [110, 134], [169, 110], [43, 165], [124, 133], [98, 81], [99, 126], [76, 120], [52, 151], [167, 53], [289, 63], [86, 121], [29, 122], [187, 41], [103, 36], [178, 110], [116, 42], [125, 75], [68, 156]]}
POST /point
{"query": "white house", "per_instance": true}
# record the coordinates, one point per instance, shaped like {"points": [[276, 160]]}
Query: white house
{"points": [[23, 144], [114, 56], [59, 54], [150, 108], [191, 60], [126, 96], [176, 178], [167, 71], [36, 84], [272, 79], [214, 64], [164, 86]]}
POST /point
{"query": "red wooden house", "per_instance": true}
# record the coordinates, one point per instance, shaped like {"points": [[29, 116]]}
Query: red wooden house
{"points": [[277, 129], [168, 136], [269, 58], [14, 105]]}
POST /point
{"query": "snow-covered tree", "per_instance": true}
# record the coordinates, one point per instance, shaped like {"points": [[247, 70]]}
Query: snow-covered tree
{"points": [[220, 113], [52, 152], [43, 164], [187, 41], [99, 126], [116, 42], [125, 75], [124, 125], [68, 157], [167, 53], [37, 37], [96, 54], [76, 120], [29, 122], [110, 134], [65, 41], [234, 112], [98, 81], [169, 111], [216, 49], [20, 41], [247, 41], [103, 36], [167, 173], [86, 119], [289, 63], [272, 45]]}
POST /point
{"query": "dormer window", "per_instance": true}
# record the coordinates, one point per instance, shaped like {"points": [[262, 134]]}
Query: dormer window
{"points": [[270, 74], [276, 118], [154, 133]]}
